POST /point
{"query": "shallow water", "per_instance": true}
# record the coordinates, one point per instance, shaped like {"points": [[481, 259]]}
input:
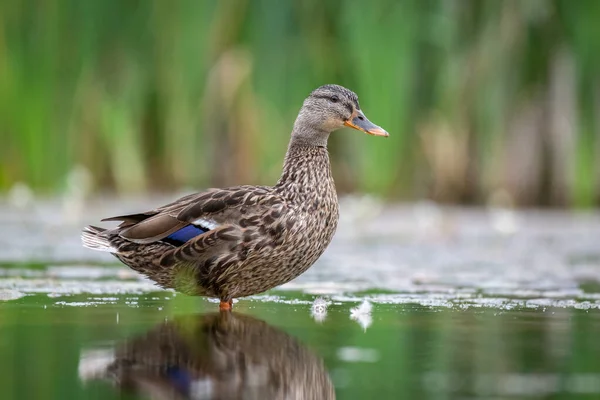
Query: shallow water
{"points": [[408, 302]]}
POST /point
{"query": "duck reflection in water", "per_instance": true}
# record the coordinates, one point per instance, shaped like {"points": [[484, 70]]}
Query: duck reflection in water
{"points": [[214, 356]]}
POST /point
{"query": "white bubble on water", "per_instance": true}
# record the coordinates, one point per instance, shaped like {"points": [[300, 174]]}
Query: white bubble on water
{"points": [[319, 309], [364, 308], [362, 314]]}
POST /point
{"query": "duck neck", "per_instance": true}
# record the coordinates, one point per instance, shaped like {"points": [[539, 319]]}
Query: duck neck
{"points": [[306, 161], [307, 134]]}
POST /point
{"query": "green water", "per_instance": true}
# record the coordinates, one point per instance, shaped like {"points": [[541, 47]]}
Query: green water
{"points": [[464, 304], [140, 346]]}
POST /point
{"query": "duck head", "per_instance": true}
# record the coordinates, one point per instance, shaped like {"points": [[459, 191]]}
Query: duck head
{"points": [[329, 108]]}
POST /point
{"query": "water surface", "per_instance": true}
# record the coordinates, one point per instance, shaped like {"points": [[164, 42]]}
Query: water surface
{"points": [[408, 302]]}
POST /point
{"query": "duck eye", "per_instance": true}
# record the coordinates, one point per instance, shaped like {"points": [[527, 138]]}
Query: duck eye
{"points": [[334, 99]]}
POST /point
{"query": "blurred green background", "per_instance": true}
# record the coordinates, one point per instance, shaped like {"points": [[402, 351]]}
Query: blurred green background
{"points": [[483, 99]]}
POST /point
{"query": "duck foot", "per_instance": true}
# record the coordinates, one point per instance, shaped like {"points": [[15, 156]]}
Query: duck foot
{"points": [[225, 305]]}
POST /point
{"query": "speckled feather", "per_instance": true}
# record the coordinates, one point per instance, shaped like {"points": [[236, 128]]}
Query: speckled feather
{"points": [[260, 236]]}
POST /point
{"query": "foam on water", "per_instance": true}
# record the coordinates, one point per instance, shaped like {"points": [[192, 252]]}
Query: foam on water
{"points": [[423, 254], [100, 290]]}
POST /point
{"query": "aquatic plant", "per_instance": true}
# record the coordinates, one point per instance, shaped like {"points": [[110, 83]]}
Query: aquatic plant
{"points": [[480, 97]]}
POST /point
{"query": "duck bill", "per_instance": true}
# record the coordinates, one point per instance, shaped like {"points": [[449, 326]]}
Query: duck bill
{"points": [[361, 123]]}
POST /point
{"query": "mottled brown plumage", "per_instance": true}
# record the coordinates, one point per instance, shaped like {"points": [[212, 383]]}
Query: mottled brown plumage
{"points": [[216, 356], [256, 237]]}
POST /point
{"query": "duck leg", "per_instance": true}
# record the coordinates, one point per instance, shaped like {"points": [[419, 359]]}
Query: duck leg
{"points": [[226, 305]]}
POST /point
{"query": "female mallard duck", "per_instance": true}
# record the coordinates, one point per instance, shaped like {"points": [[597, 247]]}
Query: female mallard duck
{"points": [[244, 240], [215, 356]]}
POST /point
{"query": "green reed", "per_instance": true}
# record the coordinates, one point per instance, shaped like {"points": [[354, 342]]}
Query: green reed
{"points": [[479, 96]]}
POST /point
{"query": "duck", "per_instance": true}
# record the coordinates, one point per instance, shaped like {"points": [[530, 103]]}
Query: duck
{"points": [[220, 355], [234, 242]]}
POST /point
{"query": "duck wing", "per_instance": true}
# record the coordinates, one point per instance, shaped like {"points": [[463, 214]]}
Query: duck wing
{"points": [[195, 214]]}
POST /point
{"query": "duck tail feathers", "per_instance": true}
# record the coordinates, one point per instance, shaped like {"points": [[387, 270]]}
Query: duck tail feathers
{"points": [[93, 239]]}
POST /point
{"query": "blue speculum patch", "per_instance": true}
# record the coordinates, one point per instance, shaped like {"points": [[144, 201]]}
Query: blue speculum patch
{"points": [[186, 233]]}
